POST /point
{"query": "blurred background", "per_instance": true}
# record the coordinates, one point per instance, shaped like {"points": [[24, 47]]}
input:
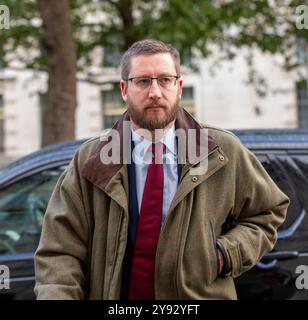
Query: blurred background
{"points": [[244, 64]]}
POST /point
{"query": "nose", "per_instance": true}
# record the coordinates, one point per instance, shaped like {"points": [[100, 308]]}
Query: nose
{"points": [[154, 91]]}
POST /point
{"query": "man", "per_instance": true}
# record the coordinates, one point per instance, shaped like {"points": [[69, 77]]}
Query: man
{"points": [[166, 225]]}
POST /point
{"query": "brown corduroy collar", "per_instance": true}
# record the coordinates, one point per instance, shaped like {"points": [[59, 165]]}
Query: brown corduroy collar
{"points": [[100, 173]]}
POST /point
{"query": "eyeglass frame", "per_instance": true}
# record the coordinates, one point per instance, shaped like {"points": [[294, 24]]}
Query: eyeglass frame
{"points": [[153, 78]]}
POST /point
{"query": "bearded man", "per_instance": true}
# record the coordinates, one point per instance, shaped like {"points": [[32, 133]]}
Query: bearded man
{"points": [[156, 227]]}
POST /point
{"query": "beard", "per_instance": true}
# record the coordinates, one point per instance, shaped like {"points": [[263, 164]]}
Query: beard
{"points": [[152, 120]]}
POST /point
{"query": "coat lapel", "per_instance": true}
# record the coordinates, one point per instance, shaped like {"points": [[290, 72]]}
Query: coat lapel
{"points": [[113, 177]]}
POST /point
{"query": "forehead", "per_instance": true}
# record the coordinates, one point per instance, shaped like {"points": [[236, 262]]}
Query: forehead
{"points": [[152, 65]]}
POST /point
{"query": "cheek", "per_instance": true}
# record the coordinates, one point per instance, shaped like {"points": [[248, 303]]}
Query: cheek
{"points": [[136, 99], [173, 98]]}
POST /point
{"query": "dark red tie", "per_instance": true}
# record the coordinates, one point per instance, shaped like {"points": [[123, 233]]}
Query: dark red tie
{"points": [[143, 264]]}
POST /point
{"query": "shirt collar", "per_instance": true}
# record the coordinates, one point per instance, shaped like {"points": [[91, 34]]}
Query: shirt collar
{"points": [[168, 139]]}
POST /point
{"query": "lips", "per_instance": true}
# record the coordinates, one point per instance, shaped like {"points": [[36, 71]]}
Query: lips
{"points": [[155, 107]]}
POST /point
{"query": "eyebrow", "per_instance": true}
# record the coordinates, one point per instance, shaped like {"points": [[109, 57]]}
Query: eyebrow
{"points": [[147, 76]]}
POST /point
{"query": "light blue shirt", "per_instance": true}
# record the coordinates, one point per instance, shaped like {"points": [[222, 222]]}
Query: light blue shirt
{"points": [[143, 152]]}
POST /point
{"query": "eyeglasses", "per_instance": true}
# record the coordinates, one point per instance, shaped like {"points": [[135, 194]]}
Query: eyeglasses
{"points": [[142, 83]]}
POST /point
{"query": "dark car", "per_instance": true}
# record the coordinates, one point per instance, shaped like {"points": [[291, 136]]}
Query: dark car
{"points": [[26, 186], [279, 275]]}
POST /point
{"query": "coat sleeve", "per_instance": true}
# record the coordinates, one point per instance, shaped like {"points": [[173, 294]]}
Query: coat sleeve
{"points": [[260, 208], [61, 257]]}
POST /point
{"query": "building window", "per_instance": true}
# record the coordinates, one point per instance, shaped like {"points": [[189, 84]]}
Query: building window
{"points": [[186, 57], [1, 123], [112, 106], [302, 103], [301, 48], [109, 121], [111, 56], [187, 100]]}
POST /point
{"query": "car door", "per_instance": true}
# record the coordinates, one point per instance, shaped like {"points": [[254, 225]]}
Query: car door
{"points": [[22, 207], [275, 276]]}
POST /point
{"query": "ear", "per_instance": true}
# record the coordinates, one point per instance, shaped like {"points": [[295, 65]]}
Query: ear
{"points": [[180, 88], [123, 87]]}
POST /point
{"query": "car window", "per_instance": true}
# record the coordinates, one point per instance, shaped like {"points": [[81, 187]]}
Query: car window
{"points": [[22, 208], [300, 175], [280, 170]]}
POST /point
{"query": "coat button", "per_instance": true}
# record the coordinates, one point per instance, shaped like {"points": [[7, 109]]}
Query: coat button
{"points": [[194, 179], [221, 158]]}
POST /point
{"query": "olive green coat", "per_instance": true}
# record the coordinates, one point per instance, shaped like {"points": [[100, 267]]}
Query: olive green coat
{"points": [[85, 229]]}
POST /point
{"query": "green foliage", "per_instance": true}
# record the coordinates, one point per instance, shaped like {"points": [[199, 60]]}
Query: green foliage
{"points": [[192, 26], [24, 34]]}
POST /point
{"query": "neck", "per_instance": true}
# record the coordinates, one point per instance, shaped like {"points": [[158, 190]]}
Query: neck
{"points": [[154, 135]]}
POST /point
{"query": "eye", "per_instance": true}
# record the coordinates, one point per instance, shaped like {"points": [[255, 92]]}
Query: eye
{"points": [[165, 81], [143, 82]]}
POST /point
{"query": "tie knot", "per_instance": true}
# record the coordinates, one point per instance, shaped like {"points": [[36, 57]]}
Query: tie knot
{"points": [[157, 152]]}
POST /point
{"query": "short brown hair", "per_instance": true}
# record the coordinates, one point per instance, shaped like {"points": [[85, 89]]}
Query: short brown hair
{"points": [[148, 47]]}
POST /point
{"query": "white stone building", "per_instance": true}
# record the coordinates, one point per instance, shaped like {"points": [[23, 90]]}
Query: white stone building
{"points": [[222, 100]]}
